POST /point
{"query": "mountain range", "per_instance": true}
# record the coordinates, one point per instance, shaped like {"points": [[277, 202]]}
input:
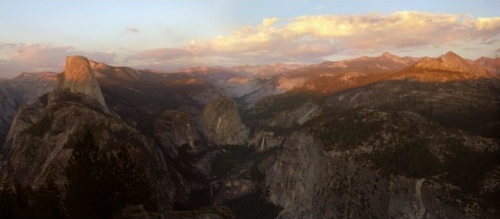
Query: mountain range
{"points": [[370, 137]]}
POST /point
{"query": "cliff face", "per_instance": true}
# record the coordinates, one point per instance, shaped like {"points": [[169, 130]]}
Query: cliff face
{"points": [[79, 78], [294, 179], [396, 149], [40, 141], [221, 123], [404, 167], [24, 89], [42, 134]]}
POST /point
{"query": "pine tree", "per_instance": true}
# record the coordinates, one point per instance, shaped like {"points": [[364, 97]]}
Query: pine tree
{"points": [[83, 173], [22, 207], [6, 201], [99, 186], [47, 201], [135, 186]]}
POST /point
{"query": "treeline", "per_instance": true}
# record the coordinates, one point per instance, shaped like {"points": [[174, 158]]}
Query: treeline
{"points": [[24, 202], [98, 185]]}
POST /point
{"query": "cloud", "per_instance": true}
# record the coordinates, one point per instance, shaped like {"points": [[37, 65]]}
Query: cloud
{"points": [[42, 57], [404, 29], [486, 24], [6, 45], [132, 30], [296, 39], [314, 37], [159, 54]]}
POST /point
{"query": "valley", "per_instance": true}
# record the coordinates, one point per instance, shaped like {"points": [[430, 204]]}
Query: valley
{"points": [[370, 137]]}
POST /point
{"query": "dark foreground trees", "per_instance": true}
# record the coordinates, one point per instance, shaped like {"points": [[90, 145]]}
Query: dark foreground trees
{"points": [[98, 185], [23, 202]]}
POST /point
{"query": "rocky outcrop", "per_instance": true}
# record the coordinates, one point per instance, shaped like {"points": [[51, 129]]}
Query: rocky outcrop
{"points": [[294, 179], [392, 153], [101, 70], [221, 123], [23, 89], [9, 103], [176, 128], [294, 116], [180, 143], [266, 89], [263, 141], [79, 78], [41, 138], [309, 183]]}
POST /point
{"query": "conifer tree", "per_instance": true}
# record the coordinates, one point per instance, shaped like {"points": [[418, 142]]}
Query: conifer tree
{"points": [[6, 201], [83, 173], [22, 207], [100, 185], [47, 201], [135, 187]]}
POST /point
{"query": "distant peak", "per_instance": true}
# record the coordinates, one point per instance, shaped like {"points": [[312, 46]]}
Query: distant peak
{"points": [[483, 59], [447, 67], [388, 55], [98, 65], [451, 54]]}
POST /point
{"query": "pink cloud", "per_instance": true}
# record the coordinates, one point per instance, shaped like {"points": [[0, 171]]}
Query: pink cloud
{"points": [[160, 54], [6, 45], [319, 36], [301, 39], [42, 57], [132, 30]]}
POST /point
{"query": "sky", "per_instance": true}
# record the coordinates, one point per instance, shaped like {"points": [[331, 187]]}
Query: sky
{"points": [[167, 35]]}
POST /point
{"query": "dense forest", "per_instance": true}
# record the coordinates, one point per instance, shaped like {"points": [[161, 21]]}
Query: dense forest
{"points": [[98, 185]]}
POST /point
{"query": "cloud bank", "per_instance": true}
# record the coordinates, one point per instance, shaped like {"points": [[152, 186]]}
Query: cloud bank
{"points": [[42, 57], [314, 37], [306, 39]]}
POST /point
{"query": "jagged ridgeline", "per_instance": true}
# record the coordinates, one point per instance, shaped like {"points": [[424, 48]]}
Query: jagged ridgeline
{"points": [[372, 137]]}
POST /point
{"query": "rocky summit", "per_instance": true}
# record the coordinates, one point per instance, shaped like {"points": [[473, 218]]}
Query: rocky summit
{"points": [[78, 77], [220, 120]]}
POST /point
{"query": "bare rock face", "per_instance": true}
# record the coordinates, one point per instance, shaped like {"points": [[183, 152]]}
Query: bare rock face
{"points": [[295, 178], [310, 183], [183, 148], [79, 78], [23, 89], [175, 128], [40, 142], [221, 123]]}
